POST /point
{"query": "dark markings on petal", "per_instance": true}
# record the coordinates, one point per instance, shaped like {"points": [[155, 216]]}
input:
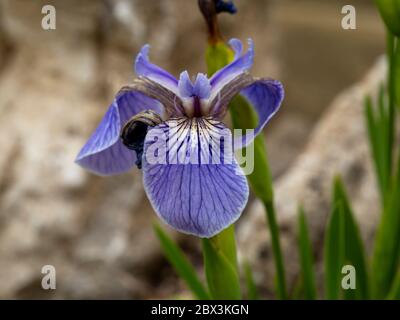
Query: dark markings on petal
{"points": [[199, 198], [219, 104], [171, 102]]}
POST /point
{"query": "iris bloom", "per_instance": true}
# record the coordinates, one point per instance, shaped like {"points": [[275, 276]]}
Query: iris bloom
{"points": [[194, 197]]}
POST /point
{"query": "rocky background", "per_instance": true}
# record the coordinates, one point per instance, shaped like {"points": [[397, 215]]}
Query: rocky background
{"points": [[97, 232]]}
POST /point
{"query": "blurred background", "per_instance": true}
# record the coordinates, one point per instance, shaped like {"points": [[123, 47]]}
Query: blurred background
{"points": [[55, 85]]}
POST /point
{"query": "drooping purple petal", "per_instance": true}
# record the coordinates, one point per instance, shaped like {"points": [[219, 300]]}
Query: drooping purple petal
{"points": [[143, 67], [265, 95], [240, 64], [104, 153], [193, 182]]}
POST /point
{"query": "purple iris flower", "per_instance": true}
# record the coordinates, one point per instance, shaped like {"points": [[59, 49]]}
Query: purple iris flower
{"points": [[201, 197]]}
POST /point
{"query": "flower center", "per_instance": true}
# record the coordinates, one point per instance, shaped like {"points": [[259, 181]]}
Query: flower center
{"points": [[195, 94], [195, 107]]}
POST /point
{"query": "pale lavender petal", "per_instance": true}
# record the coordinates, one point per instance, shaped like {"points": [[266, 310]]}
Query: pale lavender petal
{"points": [[237, 47], [104, 153], [143, 67], [185, 85], [265, 95], [240, 64], [193, 191], [202, 86]]}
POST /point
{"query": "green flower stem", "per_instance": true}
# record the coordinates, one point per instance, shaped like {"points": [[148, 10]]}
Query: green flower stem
{"points": [[221, 266], [276, 247], [244, 117]]}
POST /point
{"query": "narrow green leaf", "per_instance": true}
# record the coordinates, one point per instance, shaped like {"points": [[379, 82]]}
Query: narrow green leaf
{"points": [[334, 252], [390, 12], [219, 254], [354, 248], [378, 144], [395, 291], [391, 123], [252, 292], [280, 278], [396, 72], [373, 139], [384, 139], [298, 290], [306, 258], [182, 266], [387, 243]]}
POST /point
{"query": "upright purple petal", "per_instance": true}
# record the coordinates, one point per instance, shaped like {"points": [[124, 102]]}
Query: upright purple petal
{"points": [[104, 153], [237, 47], [193, 185], [185, 85], [240, 64], [265, 96], [143, 67], [202, 86]]}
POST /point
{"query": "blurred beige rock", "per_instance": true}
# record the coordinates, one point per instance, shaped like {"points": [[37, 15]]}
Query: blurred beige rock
{"points": [[338, 146], [54, 88]]}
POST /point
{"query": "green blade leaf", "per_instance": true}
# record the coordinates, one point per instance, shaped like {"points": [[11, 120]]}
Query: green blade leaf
{"points": [[373, 139], [395, 291], [334, 252], [396, 72], [306, 258], [377, 125], [391, 114], [221, 267], [384, 139], [180, 263], [387, 243], [297, 291], [252, 292], [354, 248], [390, 12]]}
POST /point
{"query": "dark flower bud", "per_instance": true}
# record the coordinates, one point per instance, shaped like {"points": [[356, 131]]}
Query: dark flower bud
{"points": [[210, 9], [225, 6], [135, 130]]}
